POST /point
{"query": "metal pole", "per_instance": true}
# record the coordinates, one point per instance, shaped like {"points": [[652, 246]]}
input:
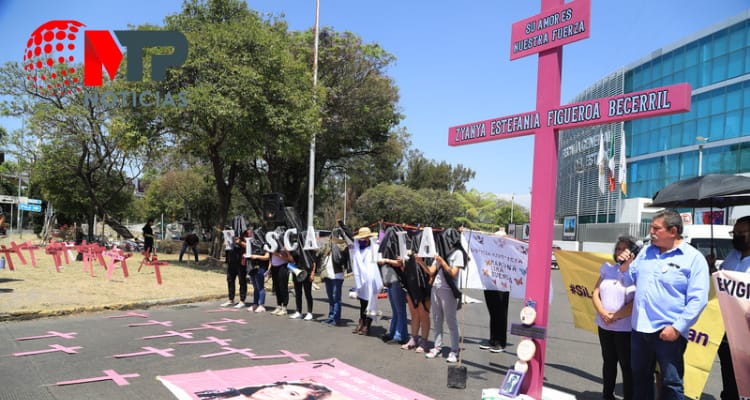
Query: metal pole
{"points": [[700, 160], [18, 223], [344, 198], [578, 201], [311, 183]]}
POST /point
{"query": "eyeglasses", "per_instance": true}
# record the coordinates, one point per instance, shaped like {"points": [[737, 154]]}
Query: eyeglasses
{"points": [[741, 233]]}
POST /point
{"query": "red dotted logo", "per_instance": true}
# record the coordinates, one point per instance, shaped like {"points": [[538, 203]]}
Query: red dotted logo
{"points": [[48, 58]]}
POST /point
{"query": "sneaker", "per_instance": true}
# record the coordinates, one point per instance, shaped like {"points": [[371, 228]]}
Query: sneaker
{"points": [[282, 311], [497, 349], [260, 309], [240, 305], [308, 317], [276, 311], [485, 346], [296, 315], [227, 304], [452, 357], [434, 352]]}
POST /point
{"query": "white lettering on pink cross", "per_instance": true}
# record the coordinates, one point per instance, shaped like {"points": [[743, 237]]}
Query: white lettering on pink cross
{"points": [[559, 23]]}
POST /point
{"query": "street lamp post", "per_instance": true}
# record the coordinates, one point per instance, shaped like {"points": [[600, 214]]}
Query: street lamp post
{"points": [[702, 140]]}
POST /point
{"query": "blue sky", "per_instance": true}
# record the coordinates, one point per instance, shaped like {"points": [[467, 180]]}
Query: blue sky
{"points": [[453, 58]]}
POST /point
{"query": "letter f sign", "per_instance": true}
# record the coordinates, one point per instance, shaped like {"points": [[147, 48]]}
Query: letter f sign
{"points": [[101, 52]]}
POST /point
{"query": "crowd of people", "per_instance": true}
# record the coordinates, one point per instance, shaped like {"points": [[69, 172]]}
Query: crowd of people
{"points": [[425, 285], [646, 301]]}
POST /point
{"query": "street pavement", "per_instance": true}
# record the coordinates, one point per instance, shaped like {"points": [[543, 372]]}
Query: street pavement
{"points": [[573, 355]]}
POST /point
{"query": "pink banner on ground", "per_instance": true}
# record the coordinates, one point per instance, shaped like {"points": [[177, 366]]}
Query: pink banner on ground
{"points": [[324, 379], [733, 291]]}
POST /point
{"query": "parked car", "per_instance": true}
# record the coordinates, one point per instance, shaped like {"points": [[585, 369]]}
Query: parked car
{"points": [[554, 259]]}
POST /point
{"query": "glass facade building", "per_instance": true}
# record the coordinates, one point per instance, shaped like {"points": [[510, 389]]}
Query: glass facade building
{"points": [[662, 150]]}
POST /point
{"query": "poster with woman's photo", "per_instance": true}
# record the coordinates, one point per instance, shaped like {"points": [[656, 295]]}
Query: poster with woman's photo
{"points": [[328, 379], [526, 228], [569, 228]]}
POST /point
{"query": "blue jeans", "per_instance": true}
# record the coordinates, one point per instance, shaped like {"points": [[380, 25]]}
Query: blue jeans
{"points": [[646, 350], [398, 328], [333, 290], [184, 247], [259, 287]]}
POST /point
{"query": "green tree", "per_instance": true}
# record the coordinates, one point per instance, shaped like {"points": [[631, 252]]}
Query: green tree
{"points": [[423, 173], [246, 91], [401, 204]]}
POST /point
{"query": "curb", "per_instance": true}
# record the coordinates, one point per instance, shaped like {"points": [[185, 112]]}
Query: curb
{"points": [[29, 315]]}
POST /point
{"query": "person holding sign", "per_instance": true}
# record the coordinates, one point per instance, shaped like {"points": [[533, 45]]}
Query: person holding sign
{"points": [[737, 260], [444, 297], [614, 305], [671, 279], [367, 280]]}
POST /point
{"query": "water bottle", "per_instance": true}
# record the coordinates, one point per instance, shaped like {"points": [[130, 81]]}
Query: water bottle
{"points": [[2, 262]]}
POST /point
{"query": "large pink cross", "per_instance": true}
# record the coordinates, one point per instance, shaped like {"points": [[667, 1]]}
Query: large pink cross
{"points": [[220, 328], [152, 322], [559, 23], [209, 339], [184, 335]]}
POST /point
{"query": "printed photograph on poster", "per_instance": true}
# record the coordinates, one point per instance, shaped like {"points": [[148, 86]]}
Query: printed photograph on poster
{"points": [[512, 230], [569, 228], [526, 228], [708, 216], [512, 383]]}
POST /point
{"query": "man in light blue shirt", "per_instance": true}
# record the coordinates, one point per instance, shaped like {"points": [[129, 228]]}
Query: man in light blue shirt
{"points": [[737, 260], [672, 284]]}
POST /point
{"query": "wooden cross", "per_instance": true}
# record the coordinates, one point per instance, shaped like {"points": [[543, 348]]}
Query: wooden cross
{"points": [[154, 262], [109, 374], [114, 255], [559, 23]]}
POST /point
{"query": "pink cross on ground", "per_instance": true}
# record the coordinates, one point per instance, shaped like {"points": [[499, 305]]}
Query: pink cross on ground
{"points": [[209, 339], [7, 253], [30, 247], [284, 354], [149, 350], [130, 314], [152, 322], [154, 262], [230, 350], [185, 335], [220, 328], [50, 334], [109, 374], [16, 248], [54, 348], [227, 321], [115, 255]]}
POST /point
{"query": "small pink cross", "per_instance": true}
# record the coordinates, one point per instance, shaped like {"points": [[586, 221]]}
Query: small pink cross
{"points": [[228, 321], [130, 314], [284, 354], [54, 348], [109, 374], [152, 322], [149, 350], [230, 350], [69, 335], [220, 328], [185, 335], [209, 339]]}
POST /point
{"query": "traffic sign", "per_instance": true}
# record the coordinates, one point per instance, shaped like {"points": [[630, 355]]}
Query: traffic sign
{"points": [[34, 201], [30, 207], [8, 199]]}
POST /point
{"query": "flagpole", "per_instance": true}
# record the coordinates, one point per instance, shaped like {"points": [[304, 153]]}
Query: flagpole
{"points": [[311, 171]]}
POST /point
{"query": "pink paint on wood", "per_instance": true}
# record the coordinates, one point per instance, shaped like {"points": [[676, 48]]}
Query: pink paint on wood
{"points": [[209, 339], [130, 314], [109, 374], [152, 322], [148, 351], [551, 28], [53, 349], [50, 334]]}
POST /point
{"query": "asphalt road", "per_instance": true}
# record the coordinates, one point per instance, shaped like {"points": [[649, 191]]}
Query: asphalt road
{"points": [[573, 355]]}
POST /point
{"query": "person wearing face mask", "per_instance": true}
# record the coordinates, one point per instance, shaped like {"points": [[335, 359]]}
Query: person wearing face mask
{"points": [[367, 280], [737, 260]]}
